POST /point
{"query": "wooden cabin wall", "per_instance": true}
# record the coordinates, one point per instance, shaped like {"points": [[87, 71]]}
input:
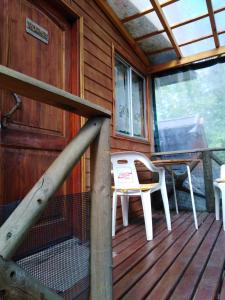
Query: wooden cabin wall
{"points": [[101, 40]]}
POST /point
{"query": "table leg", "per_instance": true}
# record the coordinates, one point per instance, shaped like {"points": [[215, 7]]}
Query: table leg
{"points": [[192, 196], [174, 191]]}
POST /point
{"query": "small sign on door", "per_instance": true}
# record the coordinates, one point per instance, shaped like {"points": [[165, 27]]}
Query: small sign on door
{"points": [[37, 31]]}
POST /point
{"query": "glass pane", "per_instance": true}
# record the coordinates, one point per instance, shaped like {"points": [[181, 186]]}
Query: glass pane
{"points": [[190, 108], [128, 8], [217, 4], [155, 43], [198, 47], [192, 30], [138, 105], [163, 57], [122, 100], [220, 24], [143, 25], [184, 9], [222, 39]]}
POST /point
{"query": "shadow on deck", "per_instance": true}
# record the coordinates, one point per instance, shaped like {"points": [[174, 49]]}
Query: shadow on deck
{"points": [[181, 264]]}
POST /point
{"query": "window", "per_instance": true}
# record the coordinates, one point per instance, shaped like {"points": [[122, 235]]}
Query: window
{"points": [[130, 100], [189, 107]]}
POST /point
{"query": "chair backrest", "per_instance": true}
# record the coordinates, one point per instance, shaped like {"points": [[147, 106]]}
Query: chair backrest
{"points": [[124, 170], [222, 171]]}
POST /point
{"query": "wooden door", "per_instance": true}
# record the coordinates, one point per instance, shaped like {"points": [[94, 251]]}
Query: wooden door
{"points": [[36, 133]]}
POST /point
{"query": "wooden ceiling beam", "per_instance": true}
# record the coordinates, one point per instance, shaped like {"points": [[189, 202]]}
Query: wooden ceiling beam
{"points": [[186, 60], [196, 40], [165, 24], [119, 25], [179, 24], [213, 23], [159, 51], [147, 11], [184, 44], [188, 21], [148, 35], [138, 15]]}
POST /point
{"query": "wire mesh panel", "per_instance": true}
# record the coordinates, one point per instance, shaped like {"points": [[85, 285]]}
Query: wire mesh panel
{"points": [[57, 249]]}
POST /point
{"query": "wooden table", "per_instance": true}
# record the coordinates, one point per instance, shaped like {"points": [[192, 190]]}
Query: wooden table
{"points": [[186, 162], [206, 155]]}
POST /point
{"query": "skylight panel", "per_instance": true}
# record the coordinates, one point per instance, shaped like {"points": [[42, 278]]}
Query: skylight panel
{"points": [[192, 30], [222, 39], [198, 47], [183, 10], [163, 57], [217, 4], [126, 8], [143, 25], [155, 43], [220, 21]]}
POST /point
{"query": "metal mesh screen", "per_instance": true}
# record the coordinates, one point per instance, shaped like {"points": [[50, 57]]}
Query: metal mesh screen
{"points": [[57, 249]]}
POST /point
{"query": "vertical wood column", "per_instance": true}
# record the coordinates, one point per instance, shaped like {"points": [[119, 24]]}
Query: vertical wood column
{"points": [[208, 180], [101, 219]]}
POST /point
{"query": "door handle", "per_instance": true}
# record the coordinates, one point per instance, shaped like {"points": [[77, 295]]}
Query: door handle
{"points": [[7, 116]]}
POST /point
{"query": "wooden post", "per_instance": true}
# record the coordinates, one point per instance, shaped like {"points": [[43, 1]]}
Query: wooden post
{"points": [[101, 220], [17, 284], [208, 180]]}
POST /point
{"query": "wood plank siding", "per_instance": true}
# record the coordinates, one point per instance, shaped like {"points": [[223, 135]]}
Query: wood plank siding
{"points": [[180, 264], [101, 40]]}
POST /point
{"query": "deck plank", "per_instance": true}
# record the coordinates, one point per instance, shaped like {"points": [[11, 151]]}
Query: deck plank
{"points": [[190, 260], [154, 274], [136, 277], [136, 252], [208, 286], [180, 264], [132, 245]]}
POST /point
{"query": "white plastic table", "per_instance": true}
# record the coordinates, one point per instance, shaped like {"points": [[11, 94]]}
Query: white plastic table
{"points": [[186, 162]]}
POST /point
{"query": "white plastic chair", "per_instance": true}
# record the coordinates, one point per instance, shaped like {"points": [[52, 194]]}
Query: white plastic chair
{"points": [[127, 185], [219, 188]]}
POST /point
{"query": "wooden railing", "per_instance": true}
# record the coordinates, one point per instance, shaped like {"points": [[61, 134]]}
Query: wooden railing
{"points": [[16, 283]]}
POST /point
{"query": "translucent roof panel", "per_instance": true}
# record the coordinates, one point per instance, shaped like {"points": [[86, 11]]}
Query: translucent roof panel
{"points": [[143, 25], [163, 57], [222, 39], [155, 43], [217, 4], [126, 8], [184, 9], [192, 30], [198, 47], [220, 20]]}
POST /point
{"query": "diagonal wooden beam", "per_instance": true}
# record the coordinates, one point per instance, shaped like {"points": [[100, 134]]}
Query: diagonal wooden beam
{"points": [[148, 35], [137, 15], [166, 26], [147, 11], [213, 23], [119, 25]]}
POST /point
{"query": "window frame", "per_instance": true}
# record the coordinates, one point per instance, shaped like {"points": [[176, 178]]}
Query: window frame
{"points": [[131, 69]]}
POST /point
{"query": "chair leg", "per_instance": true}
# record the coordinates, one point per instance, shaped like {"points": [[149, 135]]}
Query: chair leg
{"points": [[223, 205], [192, 197], [147, 210], [217, 202], [174, 191], [114, 208], [125, 208], [166, 205]]}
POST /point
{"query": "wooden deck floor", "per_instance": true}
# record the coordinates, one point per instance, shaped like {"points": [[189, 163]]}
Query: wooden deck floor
{"points": [[181, 264]]}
